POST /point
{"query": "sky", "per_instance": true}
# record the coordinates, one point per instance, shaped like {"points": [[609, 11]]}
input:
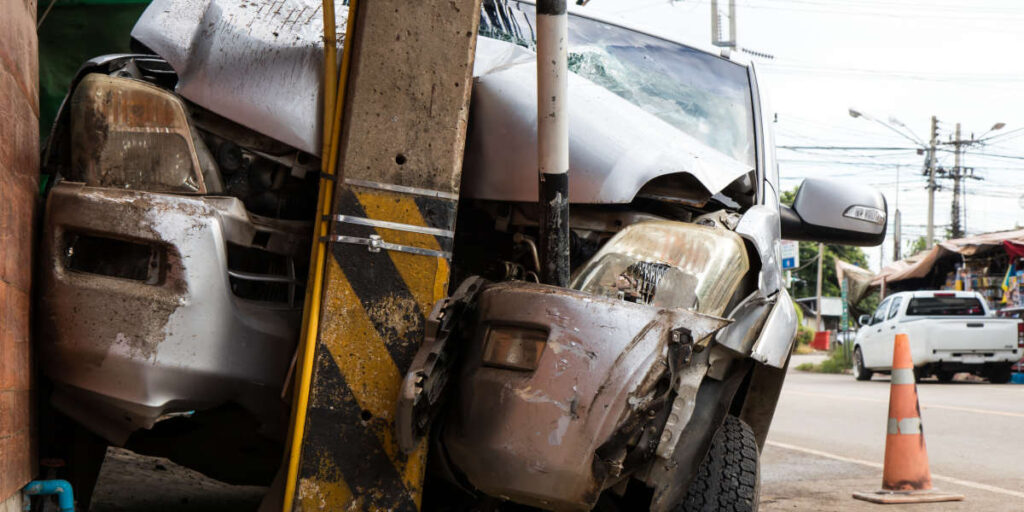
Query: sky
{"points": [[898, 61]]}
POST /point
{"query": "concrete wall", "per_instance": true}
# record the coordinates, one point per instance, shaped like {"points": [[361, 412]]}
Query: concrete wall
{"points": [[19, 171]]}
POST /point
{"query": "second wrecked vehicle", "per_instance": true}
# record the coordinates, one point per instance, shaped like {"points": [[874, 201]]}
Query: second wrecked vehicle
{"points": [[175, 244]]}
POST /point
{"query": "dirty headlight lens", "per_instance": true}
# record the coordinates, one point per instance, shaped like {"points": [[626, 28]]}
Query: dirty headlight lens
{"points": [[515, 348], [668, 264], [130, 134]]}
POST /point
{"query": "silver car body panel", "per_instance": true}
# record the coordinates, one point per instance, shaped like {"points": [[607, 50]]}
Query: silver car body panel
{"points": [[748, 316], [258, 63], [775, 342], [761, 226], [125, 352], [260, 66]]}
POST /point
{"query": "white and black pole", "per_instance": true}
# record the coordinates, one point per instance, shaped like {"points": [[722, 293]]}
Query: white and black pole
{"points": [[553, 139]]}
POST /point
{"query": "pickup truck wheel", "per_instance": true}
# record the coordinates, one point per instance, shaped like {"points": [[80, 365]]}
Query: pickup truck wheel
{"points": [[999, 374], [729, 477], [859, 371]]}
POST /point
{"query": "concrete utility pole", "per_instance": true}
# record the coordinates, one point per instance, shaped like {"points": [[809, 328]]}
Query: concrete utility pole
{"points": [[719, 37], [897, 228], [897, 236], [817, 308], [957, 175], [930, 233]]}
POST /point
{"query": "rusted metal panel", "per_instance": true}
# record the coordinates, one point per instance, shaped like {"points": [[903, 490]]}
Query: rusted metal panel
{"points": [[403, 133], [19, 168], [595, 384]]}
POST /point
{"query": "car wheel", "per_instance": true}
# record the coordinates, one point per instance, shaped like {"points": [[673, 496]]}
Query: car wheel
{"points": [[859, 371], [729, 478], [999, 375], [945, 376]]}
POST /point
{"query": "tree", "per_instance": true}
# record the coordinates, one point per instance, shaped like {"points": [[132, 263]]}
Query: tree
{"points": [[805, 279], [918, 245]]}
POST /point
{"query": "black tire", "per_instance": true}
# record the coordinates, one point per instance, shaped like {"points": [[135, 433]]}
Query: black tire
{"points": [[945, 376], [859, 371], [999, 374], [729, 478]]}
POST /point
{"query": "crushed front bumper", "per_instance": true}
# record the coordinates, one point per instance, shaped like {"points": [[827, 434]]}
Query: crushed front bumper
{"points": [[557, 435], [140, 312]]}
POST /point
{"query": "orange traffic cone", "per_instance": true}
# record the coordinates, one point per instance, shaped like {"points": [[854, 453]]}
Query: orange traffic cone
{"points": [[905, 476]]}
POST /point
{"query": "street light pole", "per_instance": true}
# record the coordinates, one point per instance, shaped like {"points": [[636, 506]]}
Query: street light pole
{"points": [[930, 233]]}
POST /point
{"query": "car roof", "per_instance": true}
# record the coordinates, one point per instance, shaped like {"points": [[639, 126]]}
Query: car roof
{"points": [[931, 293]]}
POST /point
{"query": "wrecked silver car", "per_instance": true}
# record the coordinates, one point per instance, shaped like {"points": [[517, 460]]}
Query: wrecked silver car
{"points": [[177, 234]]}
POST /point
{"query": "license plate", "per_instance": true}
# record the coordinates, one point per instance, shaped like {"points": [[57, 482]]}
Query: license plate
{"points": [[973, 359]]}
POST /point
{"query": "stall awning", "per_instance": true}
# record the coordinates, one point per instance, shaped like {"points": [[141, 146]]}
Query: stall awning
{"points": [[920, 264]]}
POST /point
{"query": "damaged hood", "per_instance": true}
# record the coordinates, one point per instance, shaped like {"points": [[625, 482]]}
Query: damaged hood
{"points": [[259, 63], [615, 147]]}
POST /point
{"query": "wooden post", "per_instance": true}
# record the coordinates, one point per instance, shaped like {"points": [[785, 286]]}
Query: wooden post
{"points": [[19, 184]]}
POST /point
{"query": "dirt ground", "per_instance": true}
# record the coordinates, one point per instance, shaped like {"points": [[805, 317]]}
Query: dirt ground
{"points": [[130, 482], [790, 481]]}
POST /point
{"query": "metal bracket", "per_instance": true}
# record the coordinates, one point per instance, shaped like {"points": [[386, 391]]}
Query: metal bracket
{"points": [[687, 382], [423, 387], [396, 226], [375, 243]]}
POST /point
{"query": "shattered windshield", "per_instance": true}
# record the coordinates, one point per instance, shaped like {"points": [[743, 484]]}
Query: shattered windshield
{"points": [[705, 96]]}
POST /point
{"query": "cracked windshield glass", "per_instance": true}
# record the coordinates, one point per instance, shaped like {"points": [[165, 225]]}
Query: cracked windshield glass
{"points": [[707, 97]]}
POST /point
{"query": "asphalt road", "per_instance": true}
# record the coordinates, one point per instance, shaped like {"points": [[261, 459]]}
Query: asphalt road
{"points": [[828, 441]]}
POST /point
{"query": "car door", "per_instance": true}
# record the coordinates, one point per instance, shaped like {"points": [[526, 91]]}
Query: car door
{"points": [[872, 334], [887, 334]]}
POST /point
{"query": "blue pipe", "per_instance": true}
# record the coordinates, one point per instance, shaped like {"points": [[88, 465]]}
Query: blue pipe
{"points": [[65, 496]]}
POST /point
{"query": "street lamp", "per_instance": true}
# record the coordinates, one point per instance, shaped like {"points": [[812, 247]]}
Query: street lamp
{"points": [[897, 235], [856, 113], [997, 126]]}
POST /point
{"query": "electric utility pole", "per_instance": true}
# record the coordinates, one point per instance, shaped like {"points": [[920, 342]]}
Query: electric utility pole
{"points": [[723, 36], [930, 233], [957, 175], [817, 309]]}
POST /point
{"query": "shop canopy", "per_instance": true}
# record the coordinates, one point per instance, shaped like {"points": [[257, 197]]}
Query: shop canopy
{"points": [[859, 280], [920, 264]]}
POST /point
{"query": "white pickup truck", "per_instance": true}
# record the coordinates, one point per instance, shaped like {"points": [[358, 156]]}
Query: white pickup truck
{"points": [[950, 332]]}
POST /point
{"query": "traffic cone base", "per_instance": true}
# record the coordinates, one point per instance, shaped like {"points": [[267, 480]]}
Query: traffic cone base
{"points": [[905, 474], [897, 497]]}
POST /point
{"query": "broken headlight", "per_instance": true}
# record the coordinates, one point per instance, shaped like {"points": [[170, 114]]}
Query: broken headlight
{"points": [[514, 348], [668, 264], [130, 134]]}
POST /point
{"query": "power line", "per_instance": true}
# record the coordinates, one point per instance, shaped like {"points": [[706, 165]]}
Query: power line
{"points": [[850, 148]]}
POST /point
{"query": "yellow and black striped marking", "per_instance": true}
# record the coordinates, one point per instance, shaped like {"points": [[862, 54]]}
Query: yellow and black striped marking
{"points": [[372, 323]]}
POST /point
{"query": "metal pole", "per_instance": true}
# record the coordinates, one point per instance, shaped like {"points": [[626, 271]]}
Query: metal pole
{"points": [[553, 139], [954, 216], [818, 308], [897, 235], [930, 233]]}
